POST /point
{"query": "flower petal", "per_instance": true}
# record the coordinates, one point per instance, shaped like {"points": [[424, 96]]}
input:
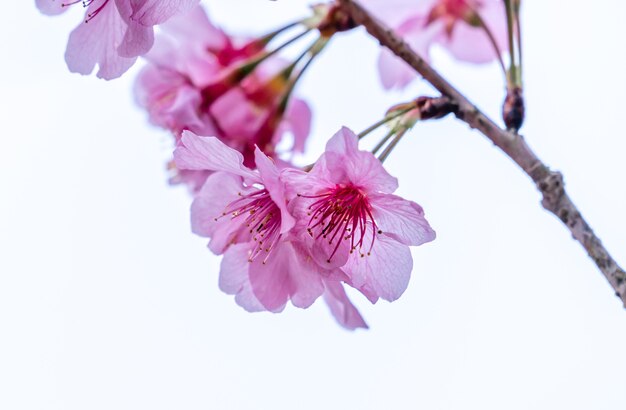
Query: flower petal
{"points": [[234, 278], [385, 273], [194, 26], [96, 42], [138, 40], [472, 44], [152, 12], [275, 186], [343, 160], [298, 121], [287, 273], [401, 219], [341, 307], [219, 190], [394, 72], [209, 153], [50, 7]]}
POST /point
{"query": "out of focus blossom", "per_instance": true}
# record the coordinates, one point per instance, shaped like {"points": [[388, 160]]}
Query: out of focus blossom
{"points": [[192, 82], [245, 214], [114, 32], [468, 29]]}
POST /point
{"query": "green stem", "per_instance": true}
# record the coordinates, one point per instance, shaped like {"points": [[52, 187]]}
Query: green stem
{"points": [[392, 145], [383, 142], [249, 66], [384, 121], [512, 80], [270, 36], [518, 32], [313, 50], [492, 39]]}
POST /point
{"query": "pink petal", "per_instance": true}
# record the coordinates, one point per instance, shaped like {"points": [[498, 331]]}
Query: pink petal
{"points": [[96, 42], [276, 188], [296, 182], [237, 116], [169, 99], [187, 45], [298, 121], [472, 44], [152, 12], [194, 180], [209, 153], [138, 40], [344, 160], [234, 278], [394, 12], [386, 272], [219, 190], [287, 273], [50, 7], [270, 281], [401, 220], [341, 307], [394, 72], [194, 25]]}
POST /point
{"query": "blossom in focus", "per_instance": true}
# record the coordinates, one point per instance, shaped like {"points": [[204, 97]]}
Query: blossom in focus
{"points": [[457, 25], [245, 214], [349, 219], [191, 83], [114, 32]]}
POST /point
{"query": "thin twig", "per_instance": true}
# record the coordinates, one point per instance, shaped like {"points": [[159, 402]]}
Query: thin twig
{"points": [[548, 182]]}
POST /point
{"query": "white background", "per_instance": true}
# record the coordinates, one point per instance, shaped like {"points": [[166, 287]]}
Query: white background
{"points": [[107, 301]]}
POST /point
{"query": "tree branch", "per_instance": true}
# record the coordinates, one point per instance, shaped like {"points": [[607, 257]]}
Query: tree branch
{"points": [[548, 182]]}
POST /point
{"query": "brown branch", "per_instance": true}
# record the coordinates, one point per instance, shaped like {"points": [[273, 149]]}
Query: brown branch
{"points": [[548, 182]]}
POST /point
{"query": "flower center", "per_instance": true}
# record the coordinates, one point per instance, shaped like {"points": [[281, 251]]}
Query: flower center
{"points": [[342, 214], [261, 221], [451, 11]]}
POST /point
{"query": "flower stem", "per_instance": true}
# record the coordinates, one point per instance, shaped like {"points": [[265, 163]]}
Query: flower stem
{"points": [[514, 79], [383, 142], [392, 144], [492, 39], [313, 51], [518, 32], [270, 36], [385, 120]]}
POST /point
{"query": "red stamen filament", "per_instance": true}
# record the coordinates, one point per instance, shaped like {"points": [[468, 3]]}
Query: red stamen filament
{"points": [[87, 3], [262, 221], [342, 213]]}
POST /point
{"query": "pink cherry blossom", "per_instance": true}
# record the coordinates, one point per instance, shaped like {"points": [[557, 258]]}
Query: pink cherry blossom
{"points": [[187, 86], [114, 32], [349, 219], [244, 212], [452, 24]]}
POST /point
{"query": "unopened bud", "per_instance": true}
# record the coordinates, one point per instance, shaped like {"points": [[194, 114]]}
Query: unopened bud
{"points": [[513, 109], [335, 20]]}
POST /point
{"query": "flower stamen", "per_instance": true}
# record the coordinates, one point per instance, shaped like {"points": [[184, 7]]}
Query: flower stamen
{"points": [[340, 214], [262, 221]]}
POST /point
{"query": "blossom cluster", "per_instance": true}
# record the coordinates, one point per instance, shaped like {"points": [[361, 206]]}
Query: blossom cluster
{"points": [[286, 233]]}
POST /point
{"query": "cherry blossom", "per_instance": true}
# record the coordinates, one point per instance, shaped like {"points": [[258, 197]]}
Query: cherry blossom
{"points": [[191, 83], [460, 26], [349, 218], [244, 213], [114, 32]]}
